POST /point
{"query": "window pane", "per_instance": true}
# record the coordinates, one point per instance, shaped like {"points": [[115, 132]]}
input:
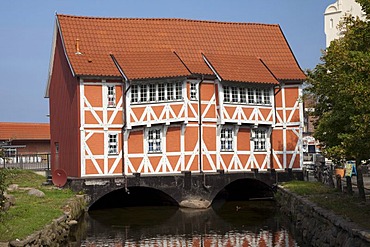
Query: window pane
{"points": [[250, 96], [170, 95], [259, 96], [227, 139], [193, 91], [226, 94], [178, 90], [154, 140], [243, 96], [134, 93], [111, 96], [143, 93], [260, 140], [152, 93], [266, 97], [161, 92], [112, 144], [234, 94]]}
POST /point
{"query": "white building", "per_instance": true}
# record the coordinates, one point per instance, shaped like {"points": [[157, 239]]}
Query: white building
{"points": [[335, 12]]}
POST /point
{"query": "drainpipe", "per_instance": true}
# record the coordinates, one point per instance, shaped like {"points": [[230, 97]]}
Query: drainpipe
{"points": [[124, 113], [271, 141], [200, 140]]}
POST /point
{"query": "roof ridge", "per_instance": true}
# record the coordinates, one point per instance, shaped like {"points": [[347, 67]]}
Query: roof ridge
{"points": [[165, 18]]}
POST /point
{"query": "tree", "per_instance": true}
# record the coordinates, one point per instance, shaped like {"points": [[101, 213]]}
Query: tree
{"points": [[341, 87]]}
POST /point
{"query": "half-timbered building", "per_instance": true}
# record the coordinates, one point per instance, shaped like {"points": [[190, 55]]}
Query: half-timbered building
{"points": [[166, 96]]}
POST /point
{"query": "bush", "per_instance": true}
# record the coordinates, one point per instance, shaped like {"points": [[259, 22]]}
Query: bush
{"points": [[3, 186]]}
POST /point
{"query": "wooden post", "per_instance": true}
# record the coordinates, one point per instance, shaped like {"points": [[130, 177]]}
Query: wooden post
{"points": [[339, 182], [349, 185]]}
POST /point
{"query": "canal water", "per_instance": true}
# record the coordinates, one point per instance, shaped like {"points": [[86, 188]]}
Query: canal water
{"points": [[236, 223]]}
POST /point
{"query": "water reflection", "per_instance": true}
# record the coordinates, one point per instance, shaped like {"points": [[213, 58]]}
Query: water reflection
{"points": [[249, 223]]}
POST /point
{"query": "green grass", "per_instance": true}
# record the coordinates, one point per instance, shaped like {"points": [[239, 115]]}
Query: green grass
{"points": [[349, 207], [30, 213]]}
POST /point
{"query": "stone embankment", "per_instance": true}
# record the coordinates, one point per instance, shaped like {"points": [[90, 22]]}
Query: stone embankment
{"points": [[316, 226], [56, 233]]}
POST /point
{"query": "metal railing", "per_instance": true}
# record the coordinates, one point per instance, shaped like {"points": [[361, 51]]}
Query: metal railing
{"points": [[35, 162]]}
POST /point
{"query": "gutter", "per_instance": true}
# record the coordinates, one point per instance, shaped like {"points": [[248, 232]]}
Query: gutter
{"points": [[200, 120]]}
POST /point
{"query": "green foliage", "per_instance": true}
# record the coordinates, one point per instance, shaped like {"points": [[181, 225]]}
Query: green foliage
{"points": [[31, 214], [3, 186], [307, 188], [341, 87]]}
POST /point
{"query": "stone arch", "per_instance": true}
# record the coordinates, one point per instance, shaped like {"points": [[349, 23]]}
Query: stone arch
{"points": [[132, 196], [246, 189]]}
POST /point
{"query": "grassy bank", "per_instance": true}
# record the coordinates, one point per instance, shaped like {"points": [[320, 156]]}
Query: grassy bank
{"points": [[30, 213], [350, 207]]}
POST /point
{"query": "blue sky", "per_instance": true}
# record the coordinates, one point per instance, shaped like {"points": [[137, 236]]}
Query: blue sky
{"points": [[26, 29]]}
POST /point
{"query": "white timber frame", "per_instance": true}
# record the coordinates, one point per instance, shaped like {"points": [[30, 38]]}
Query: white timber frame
{"points": [[104, 125]]}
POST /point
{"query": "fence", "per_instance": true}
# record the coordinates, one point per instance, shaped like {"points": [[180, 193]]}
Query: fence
{"points": [[35, 162]]}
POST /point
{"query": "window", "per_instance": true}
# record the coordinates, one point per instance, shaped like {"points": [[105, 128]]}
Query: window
{"points": [[227, 138], [134, 93], [227, 94], [159, 92], [170, 94], [266, 97], [178, 86], [111, 96], [193, 91], [143, 93], [259, 139], [234, 94], [247, 95], [250, 95], [112, 143], [56, 147], [154, 140], [243, 96], [258, 93], [152, 93]]}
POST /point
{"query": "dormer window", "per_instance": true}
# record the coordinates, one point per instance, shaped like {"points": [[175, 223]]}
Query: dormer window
{"points": [[156, 92], [242, 95]]}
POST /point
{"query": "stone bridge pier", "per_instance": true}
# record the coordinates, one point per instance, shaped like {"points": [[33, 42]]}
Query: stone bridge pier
{"points": [[194, 190]]}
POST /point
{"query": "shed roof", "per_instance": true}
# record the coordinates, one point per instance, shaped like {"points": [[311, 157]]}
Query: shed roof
{"points": [[152, 48], [24, 131]]}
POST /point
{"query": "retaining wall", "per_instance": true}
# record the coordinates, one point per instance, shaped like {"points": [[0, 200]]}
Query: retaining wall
{"points": [[57, 232], [315, 226]]}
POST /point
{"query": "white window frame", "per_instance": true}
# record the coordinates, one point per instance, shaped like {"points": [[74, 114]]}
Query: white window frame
{"points": [[134, 93], [227, 138], [156, 92], [153, 140], [247, 95], [111, 95], [178, 91], [259, 137], [112, 143], [227, 97], [193, 91]]}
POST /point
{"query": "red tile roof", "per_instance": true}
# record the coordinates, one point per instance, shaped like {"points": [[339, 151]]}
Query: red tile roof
{"points": [[240, 68], [159, 38], [24, 131], [141, 65]]}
